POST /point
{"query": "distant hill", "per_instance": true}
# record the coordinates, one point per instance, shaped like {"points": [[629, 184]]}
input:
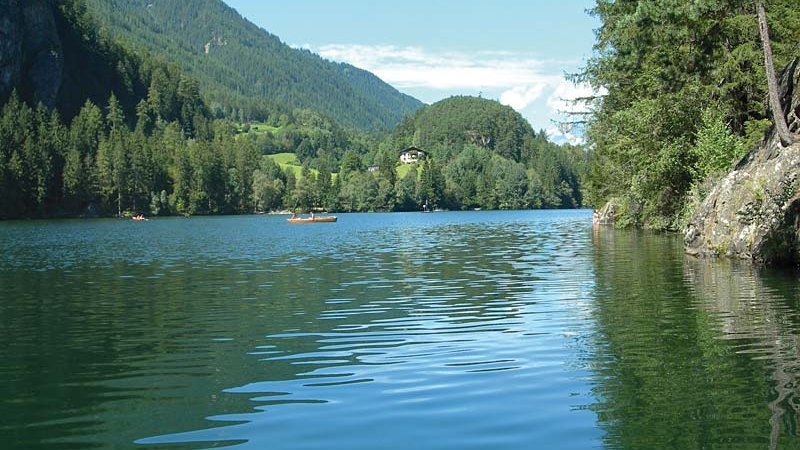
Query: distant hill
{"points": [[237, 62], [460, 120], [485, 148]]}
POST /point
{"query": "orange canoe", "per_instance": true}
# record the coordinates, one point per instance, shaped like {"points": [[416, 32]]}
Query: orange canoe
{"points": [[326, 219]]}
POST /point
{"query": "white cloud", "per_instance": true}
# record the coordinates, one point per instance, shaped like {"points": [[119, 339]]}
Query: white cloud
{"points": [[563, 136], [569, 97], [534, 87], [520, 97], [415, 67]]}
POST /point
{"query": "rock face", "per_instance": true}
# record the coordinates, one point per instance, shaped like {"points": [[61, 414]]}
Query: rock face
{"points": [[10, 45], [30, 50], [754, 211]]}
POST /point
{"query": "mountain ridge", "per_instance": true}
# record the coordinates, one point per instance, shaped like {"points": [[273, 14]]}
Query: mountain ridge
{"points": [[237, 62]]}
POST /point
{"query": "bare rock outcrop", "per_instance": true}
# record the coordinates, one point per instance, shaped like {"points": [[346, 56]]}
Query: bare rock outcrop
{"points": [[10, 45], [754, 211], [30, 50]]}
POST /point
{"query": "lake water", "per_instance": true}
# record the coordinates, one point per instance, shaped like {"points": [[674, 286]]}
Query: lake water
{"points": [[473, 330]]}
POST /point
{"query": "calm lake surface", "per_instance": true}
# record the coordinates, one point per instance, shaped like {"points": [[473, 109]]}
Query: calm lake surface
{"points": [[473, 330]]}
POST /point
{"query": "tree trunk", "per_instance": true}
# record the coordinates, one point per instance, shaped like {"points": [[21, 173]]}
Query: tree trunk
{"points": [[772, 81]]}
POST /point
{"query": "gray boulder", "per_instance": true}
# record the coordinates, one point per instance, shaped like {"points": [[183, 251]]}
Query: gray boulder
{"points": [[30, 50], [10, 46], [754, 211], [43, 62]]}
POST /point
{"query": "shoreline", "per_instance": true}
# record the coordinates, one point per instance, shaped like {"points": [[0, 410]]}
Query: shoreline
{"points": [[276, 213]]}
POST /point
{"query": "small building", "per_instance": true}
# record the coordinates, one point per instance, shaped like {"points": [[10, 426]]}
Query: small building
{"points": [[412, 154]]}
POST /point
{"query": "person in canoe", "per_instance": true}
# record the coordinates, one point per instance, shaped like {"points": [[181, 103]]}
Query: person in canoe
{"points": [[312, 215], [294, 215]]}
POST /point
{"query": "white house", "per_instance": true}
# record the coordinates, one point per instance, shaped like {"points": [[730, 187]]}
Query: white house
{"points": [[412, 155]]}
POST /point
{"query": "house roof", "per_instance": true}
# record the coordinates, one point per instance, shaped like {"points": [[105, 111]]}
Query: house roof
{"points": [[412, 148]]}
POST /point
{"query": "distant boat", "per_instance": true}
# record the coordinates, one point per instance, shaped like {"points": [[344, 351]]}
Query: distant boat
{"points": [[325, 219], [139, 218]]}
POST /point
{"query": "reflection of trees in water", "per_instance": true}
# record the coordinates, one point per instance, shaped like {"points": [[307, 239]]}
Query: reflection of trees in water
{"points": [[686, 352], [759, 319], [100, 356]]}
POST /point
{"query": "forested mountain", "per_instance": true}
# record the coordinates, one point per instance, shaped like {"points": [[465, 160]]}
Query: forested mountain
{"points": [[461, 120], [53, 54], [63, 71], [491, 157], [90, 126], [686, 99], [481, 154], [236, 63]]}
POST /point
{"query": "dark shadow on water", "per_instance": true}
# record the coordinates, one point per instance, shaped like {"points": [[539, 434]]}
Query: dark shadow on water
{"points": [[692, 353]]}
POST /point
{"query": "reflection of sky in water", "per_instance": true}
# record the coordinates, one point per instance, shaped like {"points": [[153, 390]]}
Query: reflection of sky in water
{"points": [[445, 330], [427, 335]]}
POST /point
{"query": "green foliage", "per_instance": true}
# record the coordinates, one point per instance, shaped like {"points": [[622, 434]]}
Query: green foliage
{"points": [[358, 192], [406, 191], [240, 66], [467, 120], [268, 186], [490, 157], [31, 148], [99, 165], [151, 145], [308, 136], [287, 161], [431, 185], [684, 87], [754, 132], [715, 147], [351, 163]]}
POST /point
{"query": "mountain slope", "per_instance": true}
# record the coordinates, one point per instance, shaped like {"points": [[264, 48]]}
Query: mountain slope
{"points": [[491, 157], [459, 120], [235, 61]]}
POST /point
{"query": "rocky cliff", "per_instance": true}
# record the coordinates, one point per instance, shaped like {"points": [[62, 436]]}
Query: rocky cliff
{"points": [[754, 211], [30, 50]]}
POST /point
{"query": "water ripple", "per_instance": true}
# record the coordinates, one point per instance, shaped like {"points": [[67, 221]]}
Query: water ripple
{"points": [[475, 330]]}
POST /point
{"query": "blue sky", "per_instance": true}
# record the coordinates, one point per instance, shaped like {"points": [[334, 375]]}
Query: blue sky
{"points": [[514, 51]]}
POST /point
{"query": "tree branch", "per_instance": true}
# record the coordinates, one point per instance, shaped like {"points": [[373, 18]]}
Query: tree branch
{"points": [[778, 117]]}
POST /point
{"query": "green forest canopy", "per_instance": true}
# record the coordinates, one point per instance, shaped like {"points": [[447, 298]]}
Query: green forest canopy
{"points": [[686, 99], [134, 134], [491, 157], [239, 65]]}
